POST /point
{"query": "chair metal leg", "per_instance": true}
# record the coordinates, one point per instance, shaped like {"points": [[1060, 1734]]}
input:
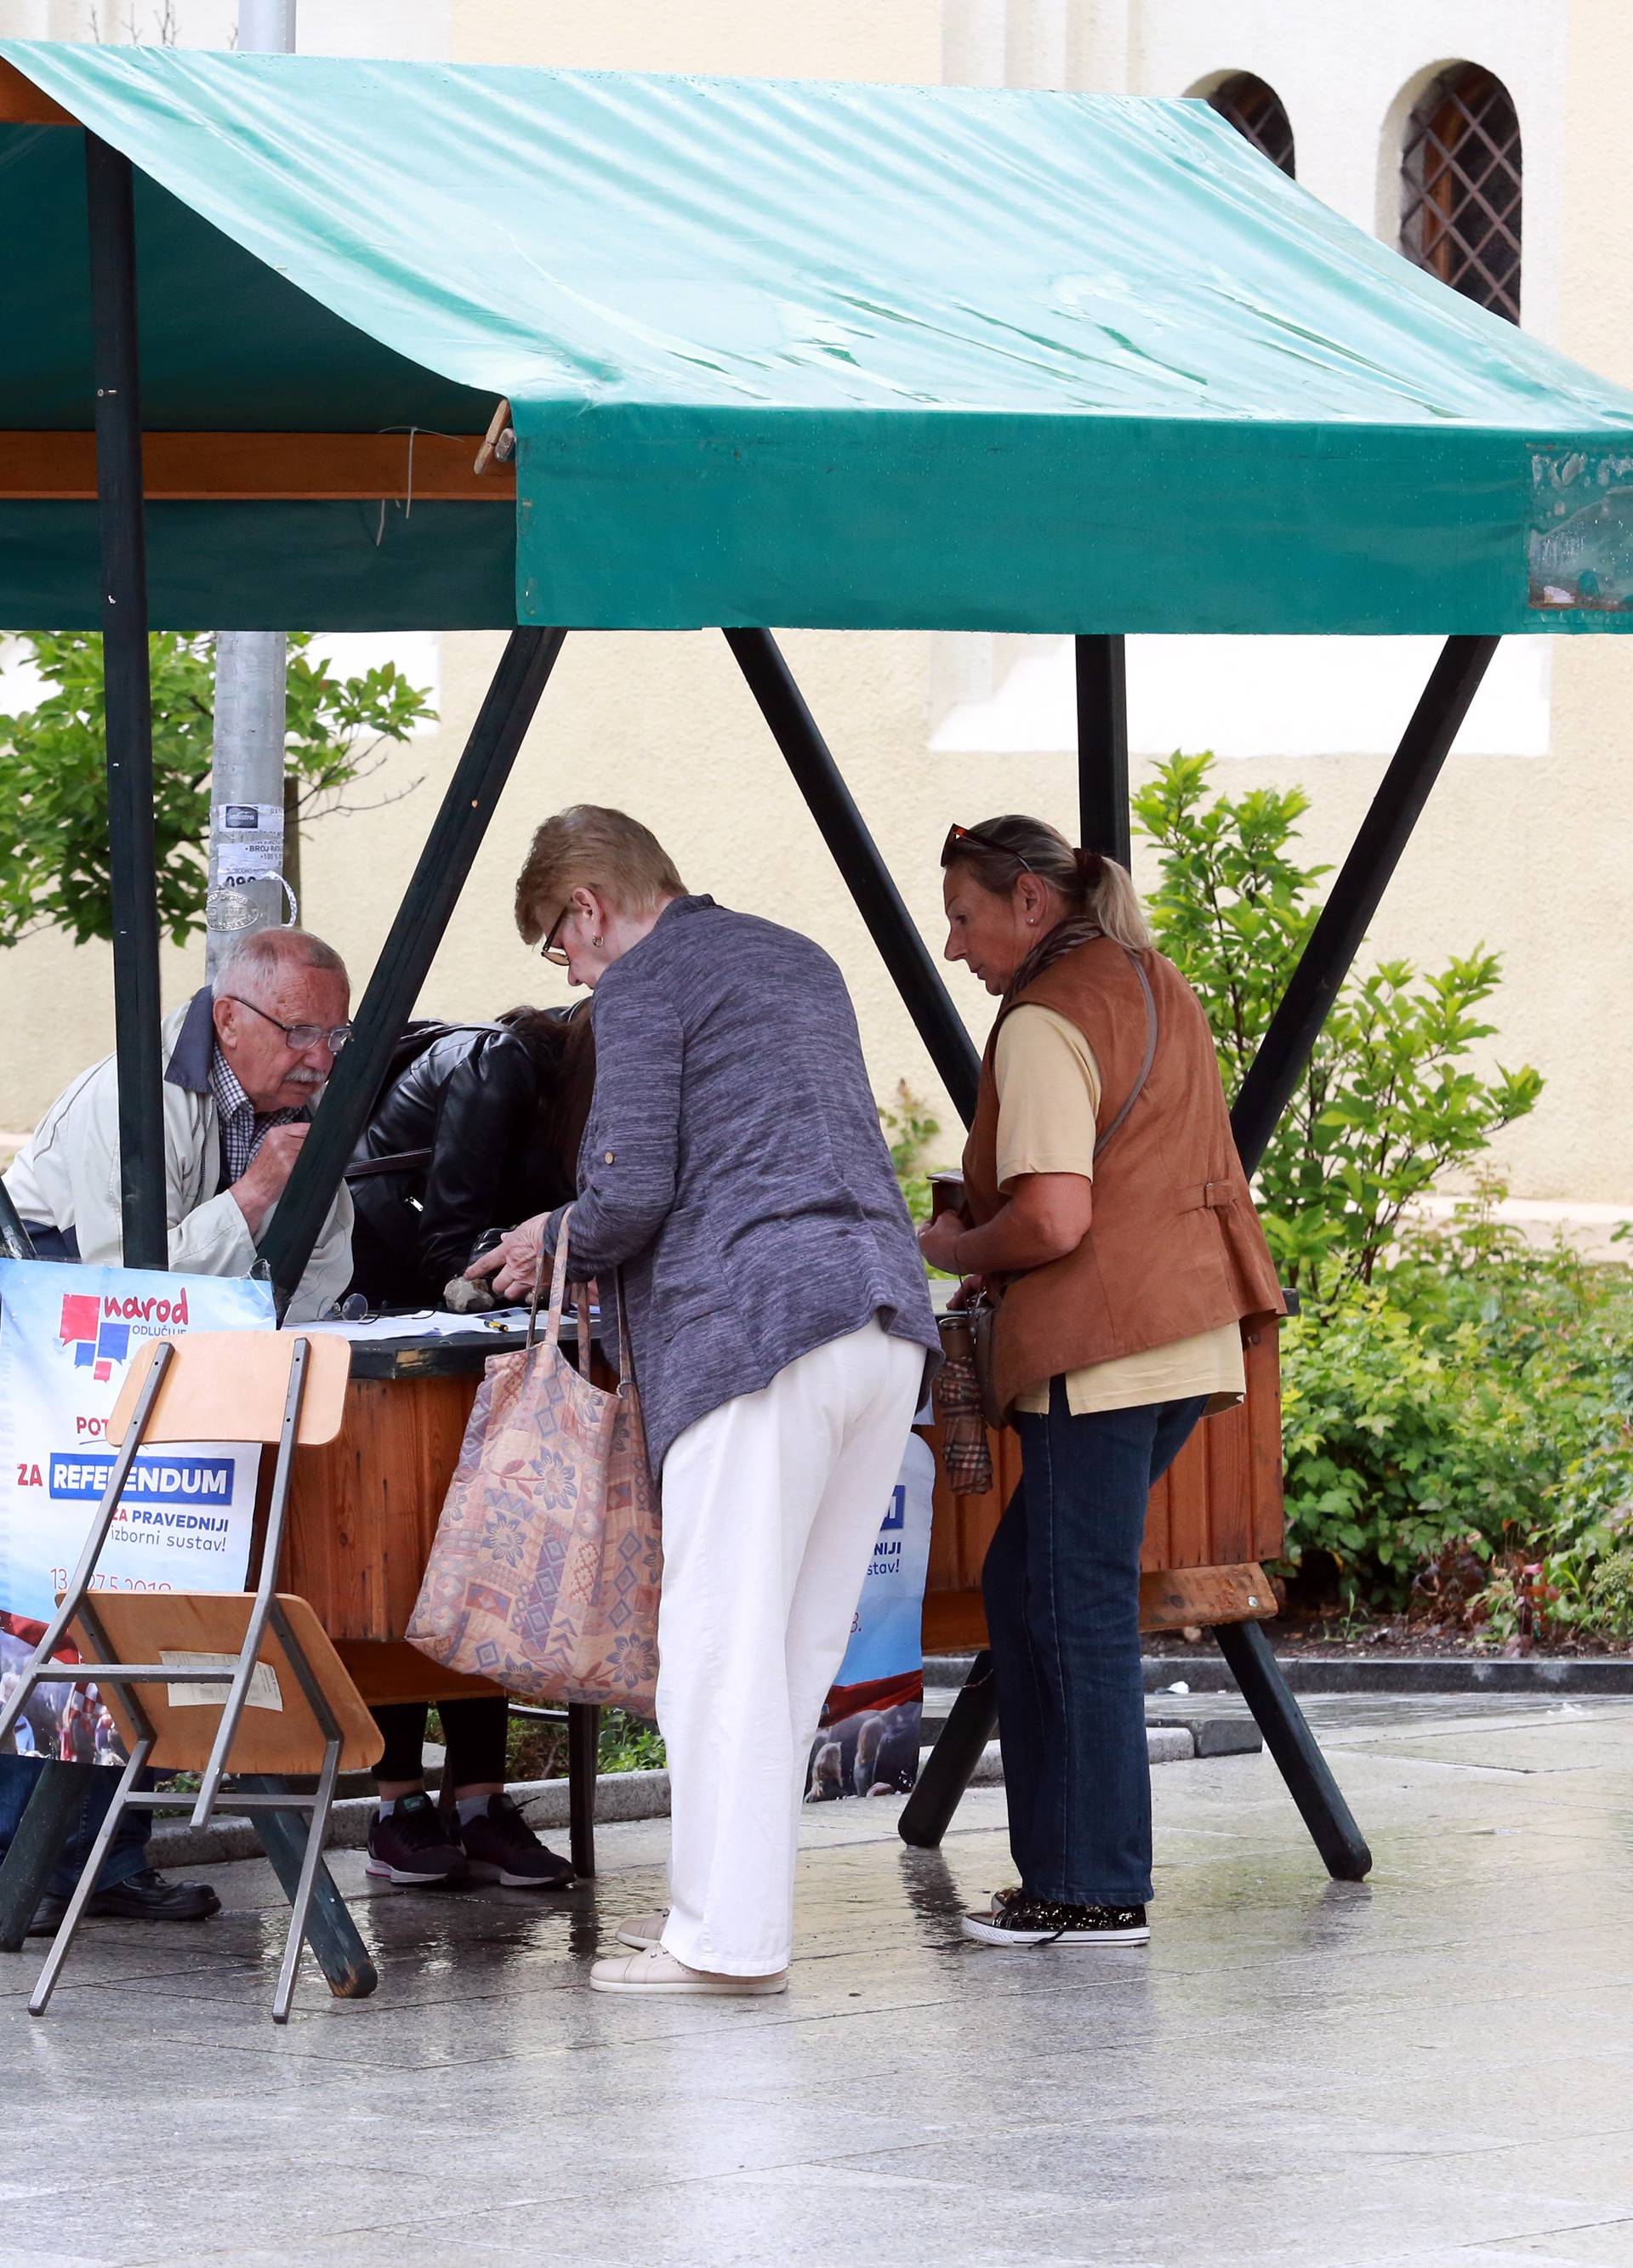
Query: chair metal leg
{"points": [[317, 1827], [42, 1836], [330, 1931], [583, 1746], [1289, 1739], [950, 1767], [45, 1984], [250, 1654]]}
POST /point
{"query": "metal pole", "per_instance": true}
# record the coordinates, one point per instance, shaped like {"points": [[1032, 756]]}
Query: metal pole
{"points": [[856, 854], [432, 895], [1283, 1052], [128, 706], [247, 824], [1103, 746], [247, 801]]}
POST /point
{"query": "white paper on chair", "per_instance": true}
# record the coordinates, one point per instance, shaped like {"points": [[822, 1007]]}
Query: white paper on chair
{"points": [[264, 1689]]}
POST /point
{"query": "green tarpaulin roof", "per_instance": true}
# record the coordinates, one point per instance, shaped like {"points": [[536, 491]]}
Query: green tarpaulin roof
{"points": [[787, 353]]}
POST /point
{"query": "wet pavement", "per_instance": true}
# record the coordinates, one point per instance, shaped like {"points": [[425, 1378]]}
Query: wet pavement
{"points": [[1435, 2068]]}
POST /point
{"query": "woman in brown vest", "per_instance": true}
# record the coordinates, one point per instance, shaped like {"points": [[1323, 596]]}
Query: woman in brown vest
{"points": [[1104, 1196]]}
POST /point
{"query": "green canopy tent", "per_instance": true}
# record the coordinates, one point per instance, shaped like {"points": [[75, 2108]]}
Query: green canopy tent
{"points": [[835, 355]]}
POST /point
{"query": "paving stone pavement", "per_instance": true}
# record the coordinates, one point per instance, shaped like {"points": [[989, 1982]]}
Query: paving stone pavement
{"points": [[1432, 2070]]}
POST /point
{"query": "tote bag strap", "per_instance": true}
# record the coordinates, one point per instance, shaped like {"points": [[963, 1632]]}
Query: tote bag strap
{"points": [[558, 1288]]}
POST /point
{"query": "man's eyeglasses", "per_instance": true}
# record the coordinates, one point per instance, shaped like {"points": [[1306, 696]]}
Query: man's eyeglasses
{"points": [[301, 1036], [961, 839], [556, 954]]}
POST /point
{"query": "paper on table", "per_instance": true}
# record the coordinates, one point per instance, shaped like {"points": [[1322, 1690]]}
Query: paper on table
{"points": [[430, 1323]]}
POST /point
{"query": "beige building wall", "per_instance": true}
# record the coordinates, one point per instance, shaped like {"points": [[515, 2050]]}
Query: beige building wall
{"points": [[1523, 851]]}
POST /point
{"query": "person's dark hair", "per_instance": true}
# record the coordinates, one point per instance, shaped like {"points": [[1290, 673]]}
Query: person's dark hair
{"points": [[1099, 896], [562, 1046]]}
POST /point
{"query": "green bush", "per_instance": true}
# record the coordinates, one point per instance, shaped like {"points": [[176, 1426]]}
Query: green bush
{"points": [[1458, 1406], [1387, 1103], [1477, 1397]]}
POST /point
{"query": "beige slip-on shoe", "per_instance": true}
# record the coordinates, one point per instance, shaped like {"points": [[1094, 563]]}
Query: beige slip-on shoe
{"points": [[656, 1971], [643, 1931]]}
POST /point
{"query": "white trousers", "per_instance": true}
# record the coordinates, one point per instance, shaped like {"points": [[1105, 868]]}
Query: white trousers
{"points": [[772, 1506]]}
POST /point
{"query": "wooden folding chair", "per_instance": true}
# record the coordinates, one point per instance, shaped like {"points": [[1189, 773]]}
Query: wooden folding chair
{"points": [[245, 1681]]}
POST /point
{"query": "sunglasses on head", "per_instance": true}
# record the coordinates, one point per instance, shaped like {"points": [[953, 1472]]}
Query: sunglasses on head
{"points": [[961, 840]]}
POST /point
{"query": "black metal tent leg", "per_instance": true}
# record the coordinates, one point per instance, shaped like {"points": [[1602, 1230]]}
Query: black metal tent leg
{"points": [[128, 705], [330, 1931], [583, 1762], [856, 855], [1324, 964], [951, 1765], [455, 837], [1291, 1743], [1103, 746]]}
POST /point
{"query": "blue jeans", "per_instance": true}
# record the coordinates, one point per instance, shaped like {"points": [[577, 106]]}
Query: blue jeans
{"points": [[127, 1854], [1062, 1591]]}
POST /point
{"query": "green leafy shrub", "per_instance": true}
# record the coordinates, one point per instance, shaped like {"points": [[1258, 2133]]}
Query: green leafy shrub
{"points": [[53, 780], [1387, 1103], [1477, 1397], [909, 1129], [1607, 1595]]}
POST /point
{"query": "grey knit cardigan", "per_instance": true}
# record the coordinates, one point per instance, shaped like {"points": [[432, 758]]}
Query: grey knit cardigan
{"points": [[733, 1165]]}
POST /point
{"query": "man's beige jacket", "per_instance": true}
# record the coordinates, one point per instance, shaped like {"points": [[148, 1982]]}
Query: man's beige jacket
{"points": [[67, 1173]]}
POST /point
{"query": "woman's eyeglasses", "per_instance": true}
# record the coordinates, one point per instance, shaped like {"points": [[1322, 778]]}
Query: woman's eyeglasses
{"points": [[959, 838], [556, 954]]}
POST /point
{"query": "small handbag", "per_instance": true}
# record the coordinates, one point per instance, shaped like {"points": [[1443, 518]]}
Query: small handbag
{"points": [[545, 1570], [966, 1451]]}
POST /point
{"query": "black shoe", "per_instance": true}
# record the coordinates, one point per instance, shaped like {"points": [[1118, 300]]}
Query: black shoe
{"points": [[1015, 1918], [501, 1847], [145, 1895], [412, 1846]]}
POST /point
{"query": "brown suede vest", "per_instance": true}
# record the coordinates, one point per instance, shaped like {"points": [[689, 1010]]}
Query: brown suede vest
{"points": [[1175, 1247]]}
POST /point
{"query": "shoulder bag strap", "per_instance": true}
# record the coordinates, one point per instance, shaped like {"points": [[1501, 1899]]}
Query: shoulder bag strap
{"points": [[1133, 1095]]}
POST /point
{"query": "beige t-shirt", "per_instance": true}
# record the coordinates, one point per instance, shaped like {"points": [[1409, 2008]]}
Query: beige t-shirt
{"points": [[1048, 1104]]}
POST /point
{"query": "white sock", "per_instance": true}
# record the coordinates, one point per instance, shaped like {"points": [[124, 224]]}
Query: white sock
{"points": [[472, 1807], [387, 1805]]}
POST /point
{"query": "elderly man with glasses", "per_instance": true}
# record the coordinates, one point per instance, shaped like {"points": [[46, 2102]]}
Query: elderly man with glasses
{"points": [[245, 1062]]}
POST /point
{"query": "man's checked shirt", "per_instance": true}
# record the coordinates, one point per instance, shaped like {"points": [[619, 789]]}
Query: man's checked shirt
{"points": [[243, 1128]]}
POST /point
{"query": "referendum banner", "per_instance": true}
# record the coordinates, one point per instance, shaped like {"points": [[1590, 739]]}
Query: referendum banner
{"points": [[66, 1335]]}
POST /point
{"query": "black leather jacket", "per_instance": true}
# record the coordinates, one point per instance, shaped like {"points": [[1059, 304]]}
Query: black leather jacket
{"points": [[487, 1108]]}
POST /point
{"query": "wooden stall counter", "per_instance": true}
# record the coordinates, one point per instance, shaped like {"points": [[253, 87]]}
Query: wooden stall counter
{"points": [[1214, 1516], [364, 1509]]}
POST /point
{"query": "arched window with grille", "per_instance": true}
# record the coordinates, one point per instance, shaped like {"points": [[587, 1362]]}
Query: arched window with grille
{"points": [[1258, 114], [1461, 185]]}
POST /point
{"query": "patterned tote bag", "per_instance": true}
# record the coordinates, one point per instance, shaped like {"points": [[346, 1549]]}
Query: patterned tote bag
{"points": [[545, 1568]]}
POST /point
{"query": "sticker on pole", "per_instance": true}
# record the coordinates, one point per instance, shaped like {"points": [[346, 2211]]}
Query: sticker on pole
{"points": [[248, 843]]}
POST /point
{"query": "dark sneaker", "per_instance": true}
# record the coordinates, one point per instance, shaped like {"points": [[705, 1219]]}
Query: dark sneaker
{"points": [[1013, 1917], [412, 1845], [501, 1847], [145, 1895]]}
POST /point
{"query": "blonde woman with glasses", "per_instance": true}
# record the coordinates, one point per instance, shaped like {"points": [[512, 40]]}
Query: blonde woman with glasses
{"points": [[733, 1168]]}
